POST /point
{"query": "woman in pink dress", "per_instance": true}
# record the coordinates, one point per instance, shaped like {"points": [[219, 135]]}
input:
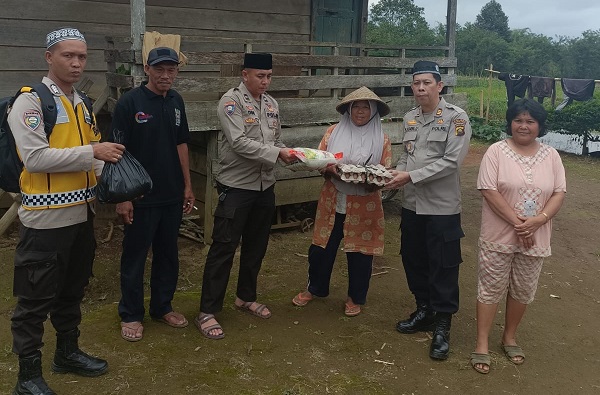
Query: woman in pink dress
{"points": [[348, 211], [523, 186]]}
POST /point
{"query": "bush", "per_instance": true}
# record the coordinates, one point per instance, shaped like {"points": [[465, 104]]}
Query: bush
{"points": [[491, 132]]}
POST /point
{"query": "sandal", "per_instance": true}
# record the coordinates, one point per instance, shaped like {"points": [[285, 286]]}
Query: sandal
{"points": [[257, 311], [173, 319], [513, 352], [200, 320], [351, 309], [481, 359], [302, 299], [136, 327]]}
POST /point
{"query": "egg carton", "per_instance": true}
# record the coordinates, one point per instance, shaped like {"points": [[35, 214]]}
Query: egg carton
{"points": [[370, 174]]}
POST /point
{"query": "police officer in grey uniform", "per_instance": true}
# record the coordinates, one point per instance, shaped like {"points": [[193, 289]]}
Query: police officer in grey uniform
{"points": [[249, 146], [436, 141]]}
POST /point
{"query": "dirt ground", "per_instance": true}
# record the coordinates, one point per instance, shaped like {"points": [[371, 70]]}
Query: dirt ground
{"points": [[316, 349]]}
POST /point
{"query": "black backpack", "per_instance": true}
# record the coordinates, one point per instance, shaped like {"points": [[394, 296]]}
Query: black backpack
{"points": [[11, 165]]}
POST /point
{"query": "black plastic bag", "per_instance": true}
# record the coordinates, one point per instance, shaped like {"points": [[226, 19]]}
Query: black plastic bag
{"points": [[123, 181]]}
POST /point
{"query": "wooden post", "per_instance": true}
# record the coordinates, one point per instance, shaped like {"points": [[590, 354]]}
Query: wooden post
{"points": [[11, 214], [487, 110], [336, 71], [451, 28], [210, 196], [138, 27], [451, 36], [481, 104]]}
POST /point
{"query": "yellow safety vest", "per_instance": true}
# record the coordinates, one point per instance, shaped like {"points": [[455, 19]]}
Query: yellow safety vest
{"points": [[58, 190]]}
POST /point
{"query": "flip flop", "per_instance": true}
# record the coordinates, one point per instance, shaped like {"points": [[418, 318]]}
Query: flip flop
{"points": [[257, 311], [206, 330], [481, 359], [301, 300], [514, 351], [134, 326], [173, 319], [351, 309]]}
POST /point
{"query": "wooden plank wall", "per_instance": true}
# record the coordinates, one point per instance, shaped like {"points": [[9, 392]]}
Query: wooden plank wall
{"points": [[24, 25], [307, 98]]}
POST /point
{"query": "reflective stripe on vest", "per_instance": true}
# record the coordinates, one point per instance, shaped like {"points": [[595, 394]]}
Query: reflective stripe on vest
{"points": [[60, 199]]}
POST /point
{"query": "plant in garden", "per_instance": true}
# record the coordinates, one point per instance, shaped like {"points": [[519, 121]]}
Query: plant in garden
{"points": [[489, 132], [578, 118]]}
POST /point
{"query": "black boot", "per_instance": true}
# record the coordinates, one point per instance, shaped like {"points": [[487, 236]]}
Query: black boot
{"points": [[69, 358], [30, 380], [421, 320], [440, 346]]}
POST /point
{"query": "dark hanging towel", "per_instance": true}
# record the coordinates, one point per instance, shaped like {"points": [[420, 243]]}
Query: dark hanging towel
{"points": [[575, 89], [516, 85], [542, 87]]}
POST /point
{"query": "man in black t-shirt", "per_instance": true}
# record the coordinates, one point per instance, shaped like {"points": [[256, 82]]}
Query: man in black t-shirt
{"points": [[151, 122]]}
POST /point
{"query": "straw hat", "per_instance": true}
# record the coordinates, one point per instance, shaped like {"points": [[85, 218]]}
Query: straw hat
{"points": [[363, 93]]}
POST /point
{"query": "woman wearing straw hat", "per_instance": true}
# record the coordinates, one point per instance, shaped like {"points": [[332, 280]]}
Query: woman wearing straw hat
{"points": [[348, 211]]}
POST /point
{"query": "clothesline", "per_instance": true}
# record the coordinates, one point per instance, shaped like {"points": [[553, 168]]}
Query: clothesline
{"points": [[555, 78]]}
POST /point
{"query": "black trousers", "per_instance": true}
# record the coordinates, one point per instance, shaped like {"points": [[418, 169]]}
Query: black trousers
{"points": [[245, 215], [52, 269], [159, 227], [430, 249], [321, 260]]}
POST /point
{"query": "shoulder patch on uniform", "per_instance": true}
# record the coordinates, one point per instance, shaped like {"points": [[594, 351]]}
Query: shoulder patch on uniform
{"points": [[459, 127], [32, 119], [229, 107]]}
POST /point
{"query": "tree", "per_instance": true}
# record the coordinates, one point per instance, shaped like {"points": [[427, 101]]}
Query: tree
{"points": [[585, 55], [533, 54], [476, 48], [399, 22], [493, 19]]}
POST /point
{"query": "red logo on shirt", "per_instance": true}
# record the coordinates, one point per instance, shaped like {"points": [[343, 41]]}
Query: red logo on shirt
{"points": [[142, 117]]}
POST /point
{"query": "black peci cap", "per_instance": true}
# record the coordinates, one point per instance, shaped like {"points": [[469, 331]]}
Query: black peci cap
{"points": [[162, 54], [261, 61], [425, 66]]}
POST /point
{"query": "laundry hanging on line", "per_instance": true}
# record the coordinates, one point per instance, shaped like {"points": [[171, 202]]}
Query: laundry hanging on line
{"points": [[576, 89]]}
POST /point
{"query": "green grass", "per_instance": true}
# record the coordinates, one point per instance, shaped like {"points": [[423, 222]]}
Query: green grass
{"points": [[477, 89], [494, 92]]}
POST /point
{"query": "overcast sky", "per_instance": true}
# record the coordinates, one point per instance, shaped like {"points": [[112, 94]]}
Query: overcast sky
{"points": [[548, 17]]}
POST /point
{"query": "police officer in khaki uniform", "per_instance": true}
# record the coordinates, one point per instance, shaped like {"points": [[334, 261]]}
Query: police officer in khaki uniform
{"points": [[55, 254], [436, 141], [249, 146]]}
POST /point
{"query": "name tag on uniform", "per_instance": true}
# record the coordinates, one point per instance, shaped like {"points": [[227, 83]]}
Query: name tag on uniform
{"points": [[61, 112]]}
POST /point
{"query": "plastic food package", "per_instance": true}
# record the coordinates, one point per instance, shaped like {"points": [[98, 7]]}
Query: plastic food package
{"points": [[370, 174], [313, 159], [123, 181]]}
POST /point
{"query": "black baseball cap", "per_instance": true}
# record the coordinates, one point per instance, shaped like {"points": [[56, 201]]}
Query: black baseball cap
{"points": [[162, 54]]}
